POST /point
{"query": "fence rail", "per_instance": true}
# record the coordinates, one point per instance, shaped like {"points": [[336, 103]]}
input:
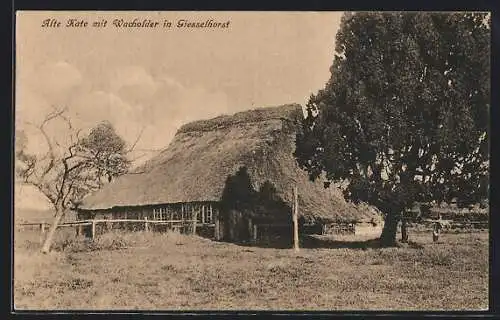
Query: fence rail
{"points": [[84, 222], [94, 222], [452, 222], [192, 224]]}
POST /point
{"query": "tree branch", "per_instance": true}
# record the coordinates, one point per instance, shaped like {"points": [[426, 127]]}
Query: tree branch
{"points": [[136, 140]]}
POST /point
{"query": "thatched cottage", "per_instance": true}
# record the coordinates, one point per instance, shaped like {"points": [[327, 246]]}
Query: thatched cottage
{"points": [[234, 174]]}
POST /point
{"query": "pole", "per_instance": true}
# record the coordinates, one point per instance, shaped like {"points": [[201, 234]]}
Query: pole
{"points": [[194, 216], [295, 219], [146, 224], [93, 230], [216, 229]]}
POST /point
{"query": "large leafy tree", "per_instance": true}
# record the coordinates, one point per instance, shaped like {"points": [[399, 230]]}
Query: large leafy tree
{"points": [[404, 116], [64, 174]]}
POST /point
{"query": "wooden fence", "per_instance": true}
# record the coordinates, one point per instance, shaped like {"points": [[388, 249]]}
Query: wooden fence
{"points": [[176, 225], [190, 226], [450, 224]]}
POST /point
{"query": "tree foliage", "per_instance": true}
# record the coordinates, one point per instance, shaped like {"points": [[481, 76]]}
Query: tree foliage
{"points": [[107, 151], [404, 116]]}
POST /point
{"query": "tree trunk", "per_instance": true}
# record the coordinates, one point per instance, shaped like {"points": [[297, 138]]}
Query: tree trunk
{"points": [[404, 231], [52, 230], [388, 236]]}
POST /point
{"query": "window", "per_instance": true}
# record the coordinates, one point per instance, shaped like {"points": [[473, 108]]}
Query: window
{"points": [[160, 214], [207, 214], [210, 215], [201, 214]]}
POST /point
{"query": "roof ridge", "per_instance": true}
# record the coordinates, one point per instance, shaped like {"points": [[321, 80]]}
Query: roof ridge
{"points": [[283, 112]]}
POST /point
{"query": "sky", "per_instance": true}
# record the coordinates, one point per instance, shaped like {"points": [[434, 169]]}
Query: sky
{"points": [[156, 79]]}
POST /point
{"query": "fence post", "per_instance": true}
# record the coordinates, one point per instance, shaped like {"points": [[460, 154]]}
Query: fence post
{"points": [[216, 229], [194, 227], [146, 224], [42, 227], [93, 229], [255, 232]]}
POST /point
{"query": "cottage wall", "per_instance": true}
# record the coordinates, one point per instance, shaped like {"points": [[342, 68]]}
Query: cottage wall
{"points": [[236, 226], [368, 229], [360, 228], [178, 216], [338, 228]]}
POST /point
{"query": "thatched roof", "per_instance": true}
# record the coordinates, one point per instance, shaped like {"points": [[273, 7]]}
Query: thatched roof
{"points": [[195, 165]]}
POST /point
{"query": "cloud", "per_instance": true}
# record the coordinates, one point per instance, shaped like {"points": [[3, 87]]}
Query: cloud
{"points": [[161, 104], [177, 103], [28, 197], [132, 83], [97, 106], [38, 92], [164, 99], [30, 106], [170, 82], [85, 111], [31, 109], [132, 100], [199, 103], [54, 81]]}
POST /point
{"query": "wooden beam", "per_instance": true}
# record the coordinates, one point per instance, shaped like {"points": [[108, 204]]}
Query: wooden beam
{"points": [[133, 221], [250, 227], [92, 235], [274, 225], [195, 218]]}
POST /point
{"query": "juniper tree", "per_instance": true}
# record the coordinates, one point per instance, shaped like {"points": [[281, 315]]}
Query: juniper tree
{"points": [[404, 115]]}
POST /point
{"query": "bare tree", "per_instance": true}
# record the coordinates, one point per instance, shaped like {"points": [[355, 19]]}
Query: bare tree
{"points": [[65, 174]]}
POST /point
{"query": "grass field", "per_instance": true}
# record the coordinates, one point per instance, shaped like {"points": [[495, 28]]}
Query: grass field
{"points": [[176, 272]]}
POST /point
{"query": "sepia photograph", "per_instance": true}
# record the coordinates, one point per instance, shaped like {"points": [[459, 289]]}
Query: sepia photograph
{"points": [[251, 160]]}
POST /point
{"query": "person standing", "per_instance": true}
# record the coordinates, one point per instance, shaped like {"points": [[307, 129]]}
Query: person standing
{"points": [[437, 230]]}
